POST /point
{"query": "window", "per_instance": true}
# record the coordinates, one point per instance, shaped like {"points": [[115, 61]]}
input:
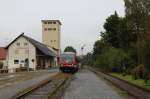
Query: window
{"points": [[54, 40], [49, 29], [16, 61], [45, 29], [18, 44], [54, 29], [45, 22], [25, 44], [54, 22], [51, 40]]}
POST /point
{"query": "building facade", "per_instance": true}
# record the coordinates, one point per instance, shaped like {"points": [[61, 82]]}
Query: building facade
{"points": [[51, 33], [27, 53]]}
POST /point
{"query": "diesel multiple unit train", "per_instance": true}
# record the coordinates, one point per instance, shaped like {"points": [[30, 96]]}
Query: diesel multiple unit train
{"points": [[68, 62]]}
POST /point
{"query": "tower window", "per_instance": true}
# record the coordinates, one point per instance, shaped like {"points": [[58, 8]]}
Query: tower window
{"points": [[49, 29], [54, 22], [54, 28], [45, 29], [45, 22]]}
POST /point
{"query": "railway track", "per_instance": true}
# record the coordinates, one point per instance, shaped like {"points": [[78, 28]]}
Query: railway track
{"points": [[46, 89], [135, 91]]}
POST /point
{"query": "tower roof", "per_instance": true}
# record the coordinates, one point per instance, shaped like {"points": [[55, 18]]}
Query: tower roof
{"points": [[52, 21]]}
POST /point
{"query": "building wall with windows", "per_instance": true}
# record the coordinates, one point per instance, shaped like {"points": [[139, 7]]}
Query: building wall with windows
{"points": [[51, 33], [20, 54]]}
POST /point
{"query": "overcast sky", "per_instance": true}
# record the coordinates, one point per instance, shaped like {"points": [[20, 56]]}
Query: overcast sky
{"points": [[82, 20]]}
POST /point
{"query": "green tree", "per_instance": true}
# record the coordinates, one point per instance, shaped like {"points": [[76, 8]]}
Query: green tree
{"points": [[111, 30], [116, 33], [98, 47], [138, 16], [70, 49]]}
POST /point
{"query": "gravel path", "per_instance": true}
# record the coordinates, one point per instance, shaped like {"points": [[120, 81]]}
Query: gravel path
{"points": [[87, 85]]}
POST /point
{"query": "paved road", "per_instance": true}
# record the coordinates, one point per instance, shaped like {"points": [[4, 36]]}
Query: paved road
{"points": [[87, 85]]}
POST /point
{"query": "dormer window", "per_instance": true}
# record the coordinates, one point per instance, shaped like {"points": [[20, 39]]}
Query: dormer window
{"points": [[18, 44]]}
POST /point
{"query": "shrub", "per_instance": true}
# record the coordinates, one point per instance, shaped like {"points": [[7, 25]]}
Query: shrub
{"points": [[112, 59], [139, 72]]}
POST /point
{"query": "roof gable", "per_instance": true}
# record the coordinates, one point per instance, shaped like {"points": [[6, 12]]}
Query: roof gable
{"points": [[43, 48]]}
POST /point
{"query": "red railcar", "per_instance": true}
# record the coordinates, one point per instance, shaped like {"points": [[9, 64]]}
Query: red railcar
{"points": [[68, 62]]}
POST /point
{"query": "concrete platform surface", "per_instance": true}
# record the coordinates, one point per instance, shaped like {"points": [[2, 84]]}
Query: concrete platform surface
{"points": [[87, 85]]}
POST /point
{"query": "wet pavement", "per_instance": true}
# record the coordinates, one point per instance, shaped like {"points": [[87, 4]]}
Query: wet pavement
{"points": [[87, 85]]}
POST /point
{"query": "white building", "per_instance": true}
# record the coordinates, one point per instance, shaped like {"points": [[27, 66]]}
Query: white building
{"points": [[27, 53]]}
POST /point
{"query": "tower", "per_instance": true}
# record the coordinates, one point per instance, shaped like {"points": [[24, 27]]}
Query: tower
{"points": [[51, 33]]}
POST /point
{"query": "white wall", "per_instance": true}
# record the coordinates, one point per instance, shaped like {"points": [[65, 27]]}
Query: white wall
{"points": [[21, 52]]}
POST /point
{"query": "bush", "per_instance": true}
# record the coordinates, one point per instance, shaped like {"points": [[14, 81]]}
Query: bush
{"points": [[139, 72], [112, 59]]}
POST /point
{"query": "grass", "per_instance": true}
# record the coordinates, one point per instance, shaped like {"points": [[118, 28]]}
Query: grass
{"points": [[138, 82]]}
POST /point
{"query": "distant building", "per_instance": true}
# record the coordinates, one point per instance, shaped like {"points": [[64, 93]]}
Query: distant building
{"points": [[25, 52], [3, 53], [51, 33]]}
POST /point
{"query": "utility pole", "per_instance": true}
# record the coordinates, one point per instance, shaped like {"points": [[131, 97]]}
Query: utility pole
{"points": [[82, 49]]}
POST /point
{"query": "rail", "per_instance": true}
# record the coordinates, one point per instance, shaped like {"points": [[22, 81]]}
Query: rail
{"points": [[45, 90]]}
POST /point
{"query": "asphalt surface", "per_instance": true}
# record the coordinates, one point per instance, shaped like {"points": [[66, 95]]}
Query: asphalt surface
{"points": [[87, 85]]}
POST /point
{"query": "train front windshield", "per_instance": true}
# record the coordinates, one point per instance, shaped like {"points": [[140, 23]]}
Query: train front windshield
{"points": [[67, 58]]}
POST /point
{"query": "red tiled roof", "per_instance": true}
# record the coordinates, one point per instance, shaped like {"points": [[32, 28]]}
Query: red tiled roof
{"points": [[3, 53]]}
